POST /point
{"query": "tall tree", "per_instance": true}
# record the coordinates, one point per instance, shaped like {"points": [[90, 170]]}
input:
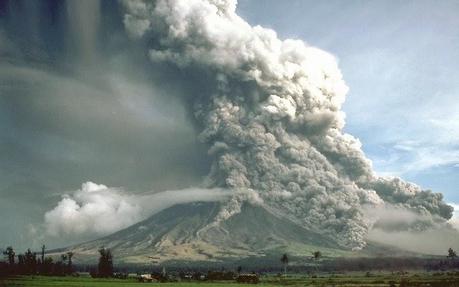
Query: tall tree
{"points": [[451, 254], [316, 255], [30, 262], [105, 263], [69, 262], [284, 260], [9, 252]]}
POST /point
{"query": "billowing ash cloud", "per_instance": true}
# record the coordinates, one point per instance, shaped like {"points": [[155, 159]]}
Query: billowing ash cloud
{"points": [[454, 221], [270, 111], [96, 209]]}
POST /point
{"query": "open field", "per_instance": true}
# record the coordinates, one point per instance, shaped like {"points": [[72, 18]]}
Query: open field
{"points": [[39, 281], [445, 279]]}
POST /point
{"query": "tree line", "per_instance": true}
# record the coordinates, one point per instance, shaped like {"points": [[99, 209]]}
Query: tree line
{"points": [[372, 263], [31, 263]]}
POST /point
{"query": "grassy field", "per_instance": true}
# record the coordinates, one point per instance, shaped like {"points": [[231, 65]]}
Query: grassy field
{"points": [[354, 279], [39, 281]]}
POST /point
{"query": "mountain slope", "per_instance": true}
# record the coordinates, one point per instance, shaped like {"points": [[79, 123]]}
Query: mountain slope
{"points": [[187, 232]]}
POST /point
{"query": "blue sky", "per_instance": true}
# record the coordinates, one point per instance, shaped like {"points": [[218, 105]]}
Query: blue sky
{"points": [[400, 60]]}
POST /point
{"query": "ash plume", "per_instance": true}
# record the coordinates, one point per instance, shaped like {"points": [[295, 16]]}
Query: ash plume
{"points": [[270, 111]]}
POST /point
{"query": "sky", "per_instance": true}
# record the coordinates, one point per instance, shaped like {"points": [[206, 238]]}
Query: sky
{"points": [[400, 60], [79, 103]]}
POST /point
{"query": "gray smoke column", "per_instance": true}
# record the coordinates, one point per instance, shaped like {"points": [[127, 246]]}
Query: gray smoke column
{"points": [[270, 111]]}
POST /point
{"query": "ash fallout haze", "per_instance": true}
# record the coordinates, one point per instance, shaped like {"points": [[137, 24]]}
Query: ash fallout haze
{"points": [[113, 112]]}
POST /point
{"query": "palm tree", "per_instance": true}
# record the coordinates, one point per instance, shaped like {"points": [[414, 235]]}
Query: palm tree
{"points": [[316, 255], [284, 260]]}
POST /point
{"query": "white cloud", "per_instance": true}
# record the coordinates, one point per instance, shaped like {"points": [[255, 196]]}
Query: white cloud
{"points": [[409, 156], [430, 140], [96, 209], [427, 156], [92, 209]]}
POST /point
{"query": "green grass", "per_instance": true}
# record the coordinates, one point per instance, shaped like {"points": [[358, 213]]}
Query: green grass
{"points": [[446, 279], [43, 281]]}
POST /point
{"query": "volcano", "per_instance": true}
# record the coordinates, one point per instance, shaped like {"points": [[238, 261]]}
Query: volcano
{"points": [[189, 233], [269, 112]]}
